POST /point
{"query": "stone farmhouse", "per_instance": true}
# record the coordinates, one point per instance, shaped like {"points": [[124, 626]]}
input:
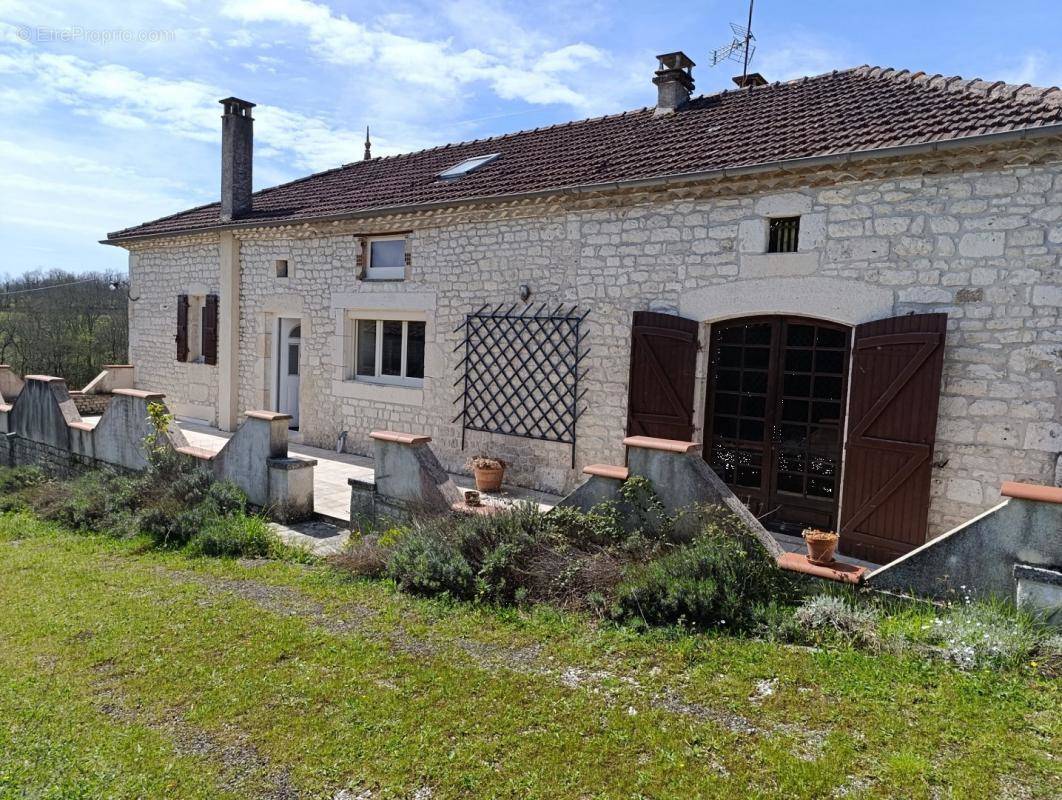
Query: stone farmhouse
{"points": [[847, 287]]}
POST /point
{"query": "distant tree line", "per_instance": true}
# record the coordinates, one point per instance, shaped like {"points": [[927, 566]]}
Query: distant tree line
{"points": [[64, 324]]}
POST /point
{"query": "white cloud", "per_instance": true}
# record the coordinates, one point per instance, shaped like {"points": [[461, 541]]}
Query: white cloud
{"points": [[439, 65], [119, 97], [1036, 68]]}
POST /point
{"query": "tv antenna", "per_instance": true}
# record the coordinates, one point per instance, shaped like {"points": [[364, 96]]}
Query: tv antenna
{"points": [[740, 48]]}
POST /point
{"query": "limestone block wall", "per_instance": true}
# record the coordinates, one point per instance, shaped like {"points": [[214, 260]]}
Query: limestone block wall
{"points": [[158, 275], [982, 243]]}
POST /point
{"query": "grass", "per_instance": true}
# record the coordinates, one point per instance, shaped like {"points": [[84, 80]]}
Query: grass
{"points": [[132, 672]]}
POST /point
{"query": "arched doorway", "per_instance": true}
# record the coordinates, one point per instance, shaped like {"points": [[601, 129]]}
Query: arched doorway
{"points": [[289, 345], [774, 416]]}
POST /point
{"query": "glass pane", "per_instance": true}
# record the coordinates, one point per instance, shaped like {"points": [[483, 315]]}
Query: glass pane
{"points": [[732, 335], [828, 337], [751, 430], [828, 388], [826, 412], [387, 253], [798, 360], [726, 403], [366, 359], [800, 335], [391, 357], [730, 356], [795, 410], [727, 379], [415, 350], [725, 427], [797, 385], [829, 361], [754, 382], [757, 357], [293, 359], [758, 334], [752, 406]]}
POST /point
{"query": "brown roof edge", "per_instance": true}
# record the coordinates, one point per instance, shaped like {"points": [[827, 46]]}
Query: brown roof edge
{"points": [[789, 165], [1031, 491]]}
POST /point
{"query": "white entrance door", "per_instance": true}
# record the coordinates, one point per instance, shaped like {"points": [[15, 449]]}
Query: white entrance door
{"points": [[288, 346]]}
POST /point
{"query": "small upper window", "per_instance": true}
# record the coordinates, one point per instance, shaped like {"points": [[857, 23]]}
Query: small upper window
{"points": [[281, 265], [467, 166], [387, 259], [783, 235]]}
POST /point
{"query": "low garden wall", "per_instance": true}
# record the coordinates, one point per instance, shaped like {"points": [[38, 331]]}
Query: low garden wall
{"points": [[43, 427]]}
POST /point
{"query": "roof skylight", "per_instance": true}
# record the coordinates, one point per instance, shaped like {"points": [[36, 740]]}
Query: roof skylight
{"points": [[467, 166]]}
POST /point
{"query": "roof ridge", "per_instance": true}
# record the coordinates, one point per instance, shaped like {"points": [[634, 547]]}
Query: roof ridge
{"points": [[1026, 93]]}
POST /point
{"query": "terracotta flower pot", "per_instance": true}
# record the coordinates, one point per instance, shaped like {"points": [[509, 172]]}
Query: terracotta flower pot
{"points": [[821, 546], [488, 479]]}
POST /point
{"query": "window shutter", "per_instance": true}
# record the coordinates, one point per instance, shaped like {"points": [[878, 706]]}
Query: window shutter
{"points": [[892, 424], [182, 327], [362, 258], [210, 329]]}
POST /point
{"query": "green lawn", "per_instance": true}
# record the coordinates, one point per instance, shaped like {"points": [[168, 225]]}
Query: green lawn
{"points": [[131, 673]]}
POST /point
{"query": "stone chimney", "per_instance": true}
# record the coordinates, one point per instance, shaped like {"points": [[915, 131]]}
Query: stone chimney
{"points": [[674, 82], [237, 144]]}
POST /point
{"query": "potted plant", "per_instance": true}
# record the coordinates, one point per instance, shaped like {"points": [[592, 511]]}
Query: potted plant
{"points": [[488, 471], [821, 545]]}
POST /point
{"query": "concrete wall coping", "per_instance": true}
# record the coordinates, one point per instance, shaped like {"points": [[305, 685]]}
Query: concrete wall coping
{"points": [[196, 452], [268, 416], [81, 426], [399, 438], [43, 378], [117, 366], [140, 393], [667, 445], [6, 406], [607, 471], [1031, 491], [1039, 574], [290, 463]]}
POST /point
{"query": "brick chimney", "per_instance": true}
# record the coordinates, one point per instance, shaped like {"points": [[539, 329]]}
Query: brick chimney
{"points": [[674, 82], [237, 144]]}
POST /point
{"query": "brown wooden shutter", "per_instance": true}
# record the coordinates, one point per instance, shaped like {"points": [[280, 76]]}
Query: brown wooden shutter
{"points": [[210, 329], [663, 367], [892, 424], [182, 327]]}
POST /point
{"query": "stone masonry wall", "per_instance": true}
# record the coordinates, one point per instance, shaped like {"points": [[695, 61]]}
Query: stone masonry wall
{"points": [[188, 265], [982, 244]]}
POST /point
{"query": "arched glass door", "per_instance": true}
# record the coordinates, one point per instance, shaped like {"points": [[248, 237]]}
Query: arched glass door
{"points": [[774, 416]]}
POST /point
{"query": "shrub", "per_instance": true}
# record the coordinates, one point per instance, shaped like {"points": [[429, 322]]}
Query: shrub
{"points": [[425, 563], [718, 579], [834, 616], [170, 524], [982, 635], [364, 556], [236, 535], [15, 479], [226, 498]]}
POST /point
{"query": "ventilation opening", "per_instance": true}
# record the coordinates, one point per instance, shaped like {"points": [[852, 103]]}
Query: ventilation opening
{"points": [[282, 267], [783, 235]]}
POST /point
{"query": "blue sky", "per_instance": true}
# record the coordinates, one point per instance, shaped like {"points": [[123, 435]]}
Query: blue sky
{"points": [[110, 115]]}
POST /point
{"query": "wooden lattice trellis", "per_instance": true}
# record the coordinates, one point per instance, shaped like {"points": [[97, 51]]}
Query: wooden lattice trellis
{"points": [[521, 371]]}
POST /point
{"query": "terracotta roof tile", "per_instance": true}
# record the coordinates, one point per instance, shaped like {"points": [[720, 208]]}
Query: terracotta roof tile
{"points": [[865, 108]]}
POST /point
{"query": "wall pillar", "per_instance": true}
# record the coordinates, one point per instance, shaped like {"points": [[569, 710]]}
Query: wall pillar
{"points": [[229, 332]]}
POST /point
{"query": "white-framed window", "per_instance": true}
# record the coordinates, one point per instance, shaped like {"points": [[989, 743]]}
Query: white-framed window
{"points": [[387, 348], [385, 258]]}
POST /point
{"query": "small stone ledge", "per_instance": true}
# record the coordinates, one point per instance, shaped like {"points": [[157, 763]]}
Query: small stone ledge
{"points": [[837, 571], [1028, 572], [141, 394], [666, 445], [268, 416], [287, 464], [43, 378], [196, 452], [1031, 491], [399, 438], [607, 471], [81, 426]]}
